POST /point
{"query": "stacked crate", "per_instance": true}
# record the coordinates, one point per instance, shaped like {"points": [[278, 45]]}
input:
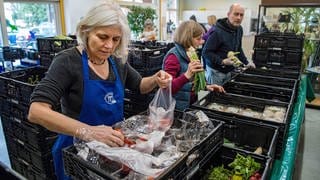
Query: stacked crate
{"points": [[49, 47], [29, 145], [146, 58], [278, 51]]}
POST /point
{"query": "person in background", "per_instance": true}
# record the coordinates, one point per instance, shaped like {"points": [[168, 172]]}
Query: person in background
{"points": [[149, 33], [89, 80], [212, 19], [193, 18], [178, 65], [211, 26], [226, 37]]}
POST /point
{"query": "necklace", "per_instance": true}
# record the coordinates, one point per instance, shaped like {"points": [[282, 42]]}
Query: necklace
{"points": [[93, 62]]}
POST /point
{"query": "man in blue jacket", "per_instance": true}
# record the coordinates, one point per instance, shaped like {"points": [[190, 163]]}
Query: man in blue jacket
{"points": [[226, 37]]}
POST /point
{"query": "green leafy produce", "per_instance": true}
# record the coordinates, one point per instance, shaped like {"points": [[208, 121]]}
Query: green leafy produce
{"points": [[199, 78], [220, 173], [33, 79], [244, 166]]}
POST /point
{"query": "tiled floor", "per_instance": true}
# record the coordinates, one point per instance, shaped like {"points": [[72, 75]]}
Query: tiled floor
{"points": [[306, 168], [311, 148]]}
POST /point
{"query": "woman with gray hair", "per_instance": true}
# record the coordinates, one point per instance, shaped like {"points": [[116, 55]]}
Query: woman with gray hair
{"points": [[89, 81]]}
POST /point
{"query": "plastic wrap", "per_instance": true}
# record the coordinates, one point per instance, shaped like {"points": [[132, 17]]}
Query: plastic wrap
{"points": [[161, 109], [284, 168]]}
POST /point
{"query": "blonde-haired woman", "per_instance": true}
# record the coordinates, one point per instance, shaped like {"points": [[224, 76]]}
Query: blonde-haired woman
{"points": [[212, 19], [89, 80], [178, 65]]}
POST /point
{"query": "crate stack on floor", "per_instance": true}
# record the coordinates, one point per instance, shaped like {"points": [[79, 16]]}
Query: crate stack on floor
{"points": [[29, 145], [258, 105], [146, 58]]}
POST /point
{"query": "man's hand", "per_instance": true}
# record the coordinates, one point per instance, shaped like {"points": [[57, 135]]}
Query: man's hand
{"points": [[228, 62]]}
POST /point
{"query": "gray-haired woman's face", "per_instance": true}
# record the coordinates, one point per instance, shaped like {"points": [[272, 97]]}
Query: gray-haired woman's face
{"points": [[103, 41]]}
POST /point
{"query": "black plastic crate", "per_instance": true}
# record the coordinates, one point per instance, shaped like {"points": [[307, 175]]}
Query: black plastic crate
{"points": [[279, 40], [249, 135], [29, 171], [274, 73], [55, 45], [277, 58], [137, 97], [13, 53], [148, 72], [259, 91], [78, 168], [246, 102], [225, 156], [46, 58], [145, 58], [41, 160], [42, 140], [266, 81], [135, 107], [17, 112], [18, 85]]}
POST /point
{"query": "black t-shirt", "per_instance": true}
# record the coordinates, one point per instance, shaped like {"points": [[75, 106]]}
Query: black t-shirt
{"points": [[64, 81]]}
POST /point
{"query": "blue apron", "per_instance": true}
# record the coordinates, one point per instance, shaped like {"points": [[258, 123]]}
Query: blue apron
{"points": [[102, 104]]}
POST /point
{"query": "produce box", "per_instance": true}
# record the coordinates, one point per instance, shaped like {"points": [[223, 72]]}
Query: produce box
{"points": [[18, 85], [78, 168], [274, 73], [248, 136], [146, 59], [54, 45], [40, 139], [29, 171], [259, 91], [279, 40], [267, 81], [277, 58], [225, 156], [249, 109]]}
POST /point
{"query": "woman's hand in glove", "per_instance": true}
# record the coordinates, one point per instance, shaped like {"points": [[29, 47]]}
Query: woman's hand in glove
{"points": [[251, 65], [217, 88], [102, 133], [163, 79], [193, 67]]}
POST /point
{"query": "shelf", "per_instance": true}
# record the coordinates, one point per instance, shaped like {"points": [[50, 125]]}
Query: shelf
{"points": [[314, 104]]}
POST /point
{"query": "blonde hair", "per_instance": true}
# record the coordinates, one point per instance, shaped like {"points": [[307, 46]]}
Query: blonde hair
{"points": [[212, 19], [186, 31], [107, 13]]}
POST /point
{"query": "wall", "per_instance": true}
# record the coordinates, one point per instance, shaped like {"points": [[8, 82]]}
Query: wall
{"points": [[220, 9], [73, 14]]}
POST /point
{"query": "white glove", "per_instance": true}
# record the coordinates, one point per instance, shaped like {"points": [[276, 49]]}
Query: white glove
{"points": [[227, 62], [251, 65]]}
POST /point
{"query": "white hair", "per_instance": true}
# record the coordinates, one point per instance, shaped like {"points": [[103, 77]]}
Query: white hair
{"points": [[107, 13]]}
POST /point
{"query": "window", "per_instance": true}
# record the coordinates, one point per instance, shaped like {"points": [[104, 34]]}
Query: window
{"points": [[25, 21]]}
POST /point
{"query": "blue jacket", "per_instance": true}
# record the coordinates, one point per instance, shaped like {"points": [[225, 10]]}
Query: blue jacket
{"points": [[182, 97], [222, 40]]}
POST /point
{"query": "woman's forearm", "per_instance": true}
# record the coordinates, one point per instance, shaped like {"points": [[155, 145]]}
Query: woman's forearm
{"points": [[42, 114]]}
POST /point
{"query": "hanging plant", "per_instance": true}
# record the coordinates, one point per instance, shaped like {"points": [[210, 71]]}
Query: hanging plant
{"points": [[137, 16]]}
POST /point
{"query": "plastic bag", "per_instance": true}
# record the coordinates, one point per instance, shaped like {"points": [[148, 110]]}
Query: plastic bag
{"points": [[161, 109]]}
